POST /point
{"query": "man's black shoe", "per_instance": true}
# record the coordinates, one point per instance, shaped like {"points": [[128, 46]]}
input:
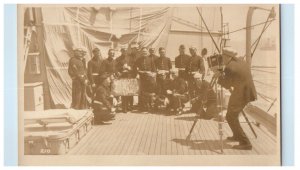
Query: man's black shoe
{"points": [[243, 147]]}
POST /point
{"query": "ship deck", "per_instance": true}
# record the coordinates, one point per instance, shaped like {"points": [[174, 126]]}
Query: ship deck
{"points": [[159, 134]]}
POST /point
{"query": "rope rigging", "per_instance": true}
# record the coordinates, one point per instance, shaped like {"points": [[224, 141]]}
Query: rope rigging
{"points": [[241, 29]]}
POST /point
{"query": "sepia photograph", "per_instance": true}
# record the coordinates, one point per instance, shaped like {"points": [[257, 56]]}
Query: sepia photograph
{"points": [[150, 84]]}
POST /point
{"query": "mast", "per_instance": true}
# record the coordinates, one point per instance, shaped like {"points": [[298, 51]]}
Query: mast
{"points": [[248, 35]]}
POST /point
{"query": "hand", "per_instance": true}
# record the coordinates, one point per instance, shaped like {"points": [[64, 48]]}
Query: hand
{"points": [[93, 85], [176, 94], [115, 102], [112, 77], [86, 82], [137, 76], [217, 74], [169, 92], [113, 110]]}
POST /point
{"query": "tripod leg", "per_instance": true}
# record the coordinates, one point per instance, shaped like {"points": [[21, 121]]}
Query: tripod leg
{"points": [[191, 130], [247, 120]]}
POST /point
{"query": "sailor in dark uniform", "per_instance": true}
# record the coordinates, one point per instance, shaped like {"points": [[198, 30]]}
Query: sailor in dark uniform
{"points": [[163, 65], [205, 102], [237, 77], [146, 70], [109, 65], [177, 92], [103, 106], [94, 68], [181, 62], [124, 67], [195, 65], [152, 54], [77, 72]]}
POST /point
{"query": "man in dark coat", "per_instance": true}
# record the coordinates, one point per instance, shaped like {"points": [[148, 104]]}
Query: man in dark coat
{"points": [[77, 72], [102, 105], [146, 70], [163, 65], [238, 79], [181, 62], [94, 68], [177, 92], [109, 65], [152, 54], [195, 65], [124, 67], [205, 102]]}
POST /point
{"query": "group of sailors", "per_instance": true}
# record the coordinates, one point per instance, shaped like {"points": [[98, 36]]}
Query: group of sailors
{"points": [[161, 84]]}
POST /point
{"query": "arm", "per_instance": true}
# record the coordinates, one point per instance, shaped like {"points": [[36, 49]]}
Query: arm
{"points": [[225, 79], [102, 67], [202, 67], [73, 71], [90, 72], [169, 64], [101, 93]]}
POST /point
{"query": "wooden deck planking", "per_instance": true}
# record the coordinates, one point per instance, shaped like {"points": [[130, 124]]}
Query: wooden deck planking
{"points": [[155, 134], [134, 137], [104, 140], [142, 145], [177, 136], [113, 138], [168, 137], [123, 134], [140, 137], [197, 137], [133, 125], [158, 136], [150, 133], [180, 136], [173, 144], [193, 147]]}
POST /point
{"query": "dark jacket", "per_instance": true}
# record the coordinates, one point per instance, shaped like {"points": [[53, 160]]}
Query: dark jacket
{"points": [[102, 95], [179, 85], [237, 75], [93, 68], [195, 63], [108, 66], [181, 61], [145, 63], [205, 92], [77, 69], [163, 63]]}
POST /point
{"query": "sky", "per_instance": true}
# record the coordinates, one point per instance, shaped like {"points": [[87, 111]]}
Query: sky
{"points": [[236, 16]]}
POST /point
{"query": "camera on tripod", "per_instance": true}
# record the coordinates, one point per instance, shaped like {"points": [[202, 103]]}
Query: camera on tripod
{"points": [[215, 61]]}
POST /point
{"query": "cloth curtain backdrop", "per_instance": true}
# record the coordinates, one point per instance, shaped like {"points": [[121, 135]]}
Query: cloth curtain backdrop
{"points": [[102, 27]]}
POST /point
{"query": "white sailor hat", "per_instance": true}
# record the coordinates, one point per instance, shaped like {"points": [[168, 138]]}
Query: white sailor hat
{"points": [[193, 48], [197, 76], [79, 48], [229, 52]]}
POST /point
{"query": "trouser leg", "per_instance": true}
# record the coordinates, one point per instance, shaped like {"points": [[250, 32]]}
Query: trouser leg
{"points": [[77, 93], [232, 118]]}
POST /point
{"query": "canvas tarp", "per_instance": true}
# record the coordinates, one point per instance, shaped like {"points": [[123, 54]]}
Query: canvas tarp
{"points": [[102, 27]]}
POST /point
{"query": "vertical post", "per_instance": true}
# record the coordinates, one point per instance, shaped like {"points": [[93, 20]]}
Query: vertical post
{"points": [[41, 47], [222, 31], [221, 121], [248, 35]]}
